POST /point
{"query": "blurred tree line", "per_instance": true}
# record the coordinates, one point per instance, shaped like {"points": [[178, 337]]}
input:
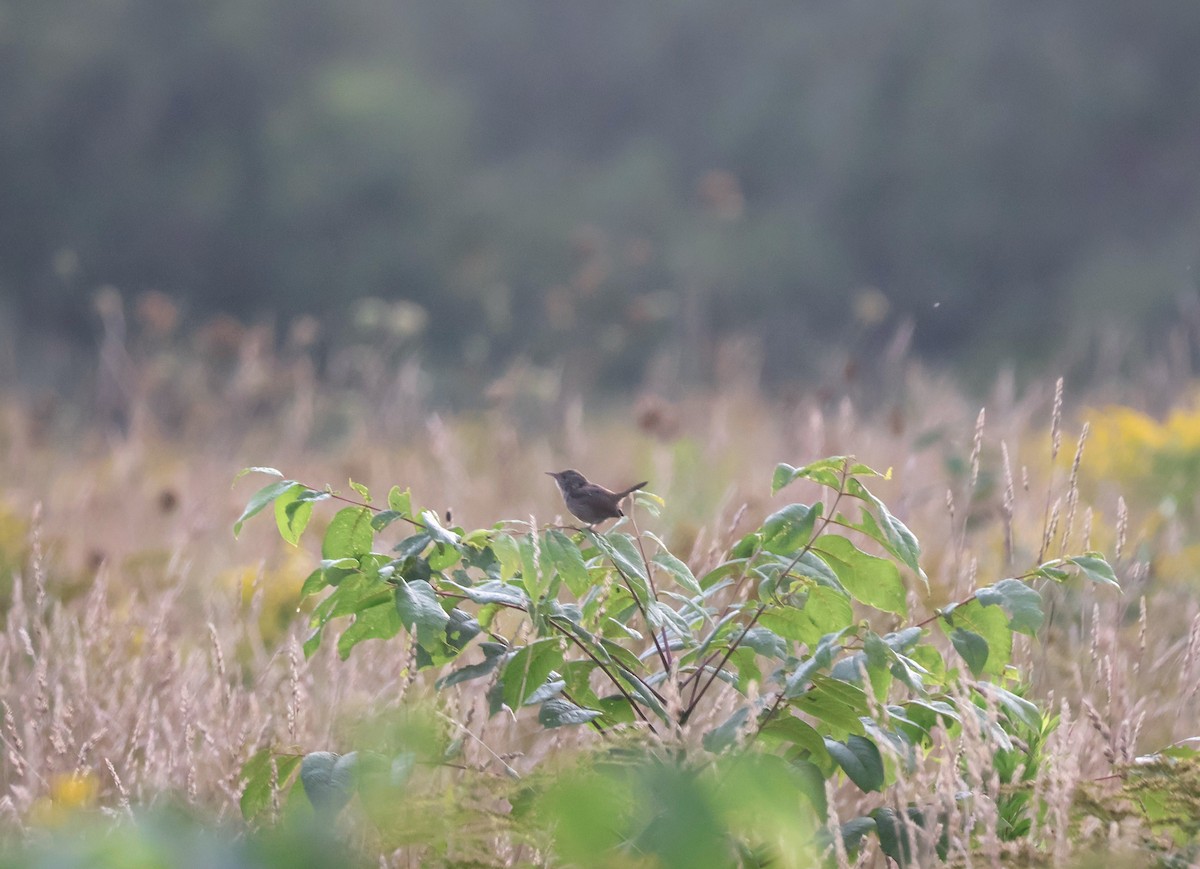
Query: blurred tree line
{"points": [[604, 180]]}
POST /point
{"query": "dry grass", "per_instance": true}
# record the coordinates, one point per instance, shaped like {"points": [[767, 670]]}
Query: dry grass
{"points": [[145, 654]]}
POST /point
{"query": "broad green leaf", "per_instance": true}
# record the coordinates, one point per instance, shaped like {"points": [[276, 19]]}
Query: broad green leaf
{"points": [[824, 612], [328, 780], [435, 529], [384, 518], [314, 583], [461, 628], [442, 557], [815, 567], [724, 735], [894, 839], [889, 531], [357, 591], [790, 528], [508, 553], [766, 643], [502, 593], [787, 729], [292, 513], [812, 783], [722, 572], [989, 623], [821, 659], [860, 759], [828, 472], [469, 672], [349, 534], [567, 560], [379, 622], [1019, 708], [261, 499], [414, 545], [558, 712], [536, 579], [400, 501], [680, 572], [528, 669], [1022, 603], [1095, 568], [972, 648], [261, 773], [839, 705], [854, 831], [873, 581], [549, 689], [623, 553], [260, 470], [421, 612]]}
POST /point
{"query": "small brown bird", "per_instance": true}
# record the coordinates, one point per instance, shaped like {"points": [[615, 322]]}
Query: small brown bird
{"points": [[589, 502]]}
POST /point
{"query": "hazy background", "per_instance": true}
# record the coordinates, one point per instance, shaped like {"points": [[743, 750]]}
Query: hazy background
{"points": [[613, 187]]}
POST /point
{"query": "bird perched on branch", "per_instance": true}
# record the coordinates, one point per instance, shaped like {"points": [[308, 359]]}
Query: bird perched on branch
{"points": [[589, 502]]}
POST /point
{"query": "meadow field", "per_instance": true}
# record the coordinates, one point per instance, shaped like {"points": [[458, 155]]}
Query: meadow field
{"points": [[147, 655]]}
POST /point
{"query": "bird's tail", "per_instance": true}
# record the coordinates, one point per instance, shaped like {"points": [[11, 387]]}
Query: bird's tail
{"points": [[632, 489]]}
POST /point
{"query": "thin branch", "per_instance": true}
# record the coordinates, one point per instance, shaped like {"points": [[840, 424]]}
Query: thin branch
{"points": [[699, 692], [662, 655]]}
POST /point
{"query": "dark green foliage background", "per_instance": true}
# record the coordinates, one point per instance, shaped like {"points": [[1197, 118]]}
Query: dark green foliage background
{"points": [[1015, 165]]}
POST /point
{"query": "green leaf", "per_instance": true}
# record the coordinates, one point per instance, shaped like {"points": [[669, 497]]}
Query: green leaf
{"points": [[421, 612], [621, 550], [471, 671], [502, 593], [435, 529], [349, 534], [260, 470], [378, 622], [889, 531], [567, 560], [837, 704], [314, 583], [828, 472], [261, 772], [442, 557], [1022, 603], [261, 499], [825, 611], [893, 837], [989, 623], [820, 659], [328, 780], [790, 730], [854, 831], [384, 518], [680, 572], [1095, 568], [363, 491], [536, 580], [508, 553], [972, 647], [724, 735], [859, 758], [873, 581], [557, 712], [400, 501], [788, 529], [292, 512], [528, 670], [1019, 708]]}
